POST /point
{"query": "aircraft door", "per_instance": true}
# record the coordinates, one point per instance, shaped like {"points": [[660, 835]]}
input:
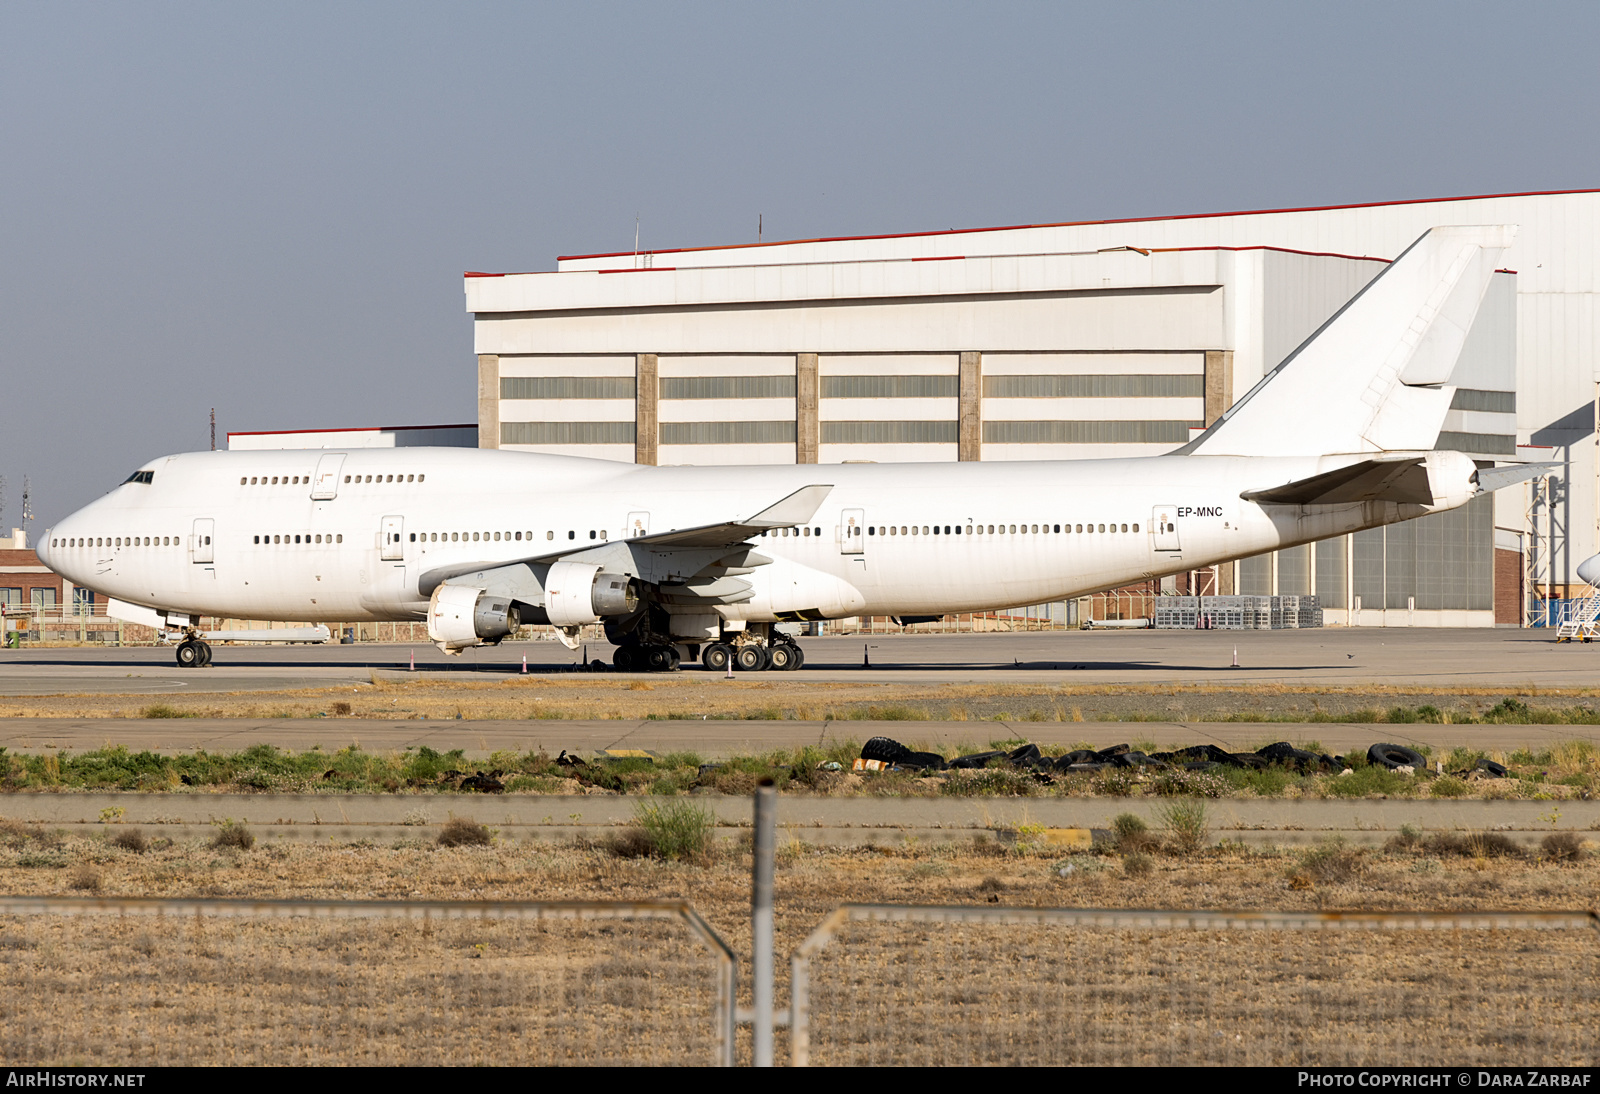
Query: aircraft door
{"points": [[392, 543], [1164, 528], [200, 548], [638, 525], [325, 487], [852, 528]]}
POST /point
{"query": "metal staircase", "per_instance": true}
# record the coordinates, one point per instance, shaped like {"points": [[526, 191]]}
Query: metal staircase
{"points": [[1583, 621]]}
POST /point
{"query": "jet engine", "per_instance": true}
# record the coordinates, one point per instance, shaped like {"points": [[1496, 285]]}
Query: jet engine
{"points": [[463, 615], [576, 593]]}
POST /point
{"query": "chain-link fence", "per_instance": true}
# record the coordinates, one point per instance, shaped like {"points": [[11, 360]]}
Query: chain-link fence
{"points": [[119, 982], [885, 984]]}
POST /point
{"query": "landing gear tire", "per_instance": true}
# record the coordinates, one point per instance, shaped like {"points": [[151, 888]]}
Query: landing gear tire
{"points": [[625, 659], [661, 659], [716, 656], [751, 659], [205, 653], [784, 657], [188, 654]]}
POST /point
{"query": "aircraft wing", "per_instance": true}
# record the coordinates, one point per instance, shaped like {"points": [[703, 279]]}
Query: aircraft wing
{"points": [[672, 556], [796, 509]]}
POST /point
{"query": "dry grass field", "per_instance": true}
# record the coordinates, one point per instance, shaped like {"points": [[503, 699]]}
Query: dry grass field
{"points": [[351, 992], [703, 695]]}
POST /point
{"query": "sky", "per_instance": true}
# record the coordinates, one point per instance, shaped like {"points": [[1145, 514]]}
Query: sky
{"points": [[267, 208]]}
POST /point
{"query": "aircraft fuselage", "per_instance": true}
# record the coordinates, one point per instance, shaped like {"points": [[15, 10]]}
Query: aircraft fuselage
{"points": [[277, 535]]}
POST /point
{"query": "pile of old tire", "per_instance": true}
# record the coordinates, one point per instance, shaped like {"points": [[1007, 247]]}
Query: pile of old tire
{"points": [[889, 751], [1027, 756], [1393, 756], [1286, 755]]}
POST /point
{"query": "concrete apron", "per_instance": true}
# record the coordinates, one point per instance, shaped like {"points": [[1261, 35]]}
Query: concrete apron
{"points": [[1067, 823]]}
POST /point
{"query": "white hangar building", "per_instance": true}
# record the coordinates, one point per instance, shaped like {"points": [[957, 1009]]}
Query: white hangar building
{"points": [[1069, 341]]}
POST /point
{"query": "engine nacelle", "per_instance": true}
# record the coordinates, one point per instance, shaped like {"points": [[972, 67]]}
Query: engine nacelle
{"points": [[576, 593], [462, 615]]}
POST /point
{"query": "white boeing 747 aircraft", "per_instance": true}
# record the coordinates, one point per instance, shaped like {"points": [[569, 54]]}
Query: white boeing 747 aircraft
{"points": [[706, 561]]}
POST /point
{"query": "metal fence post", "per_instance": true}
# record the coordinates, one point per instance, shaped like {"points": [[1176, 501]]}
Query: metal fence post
{"points": [[761, 971]]}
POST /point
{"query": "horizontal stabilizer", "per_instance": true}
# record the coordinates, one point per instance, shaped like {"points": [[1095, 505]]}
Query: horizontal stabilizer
{"points": [[1490, 479], [1404, 481]]}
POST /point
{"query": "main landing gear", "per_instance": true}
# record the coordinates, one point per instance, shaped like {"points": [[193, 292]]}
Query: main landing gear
{"points": [[193, 653], [648, 658], [756, 649], [781, 654]]}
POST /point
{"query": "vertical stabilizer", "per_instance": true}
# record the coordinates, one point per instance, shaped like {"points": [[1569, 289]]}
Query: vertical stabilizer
{"points": [[1375, 377]]}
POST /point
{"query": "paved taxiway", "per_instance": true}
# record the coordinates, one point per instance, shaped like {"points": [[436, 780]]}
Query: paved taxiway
{"points": [[1422, 658]]}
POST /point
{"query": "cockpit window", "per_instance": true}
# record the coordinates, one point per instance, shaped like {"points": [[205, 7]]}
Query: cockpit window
{"points": [[141, 476]]}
